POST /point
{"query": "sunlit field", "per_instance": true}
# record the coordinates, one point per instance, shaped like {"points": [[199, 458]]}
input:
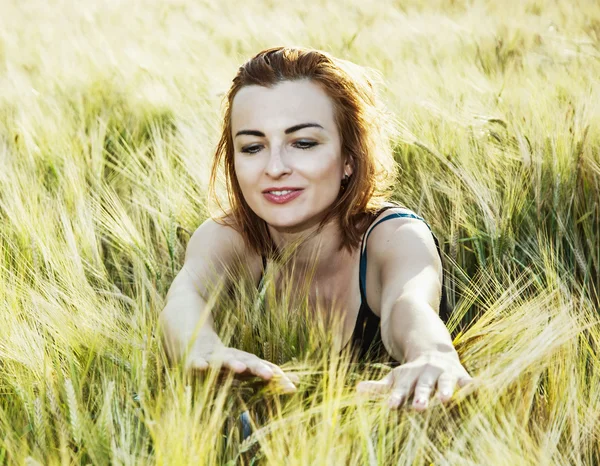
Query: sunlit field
{"points": [[109, 115]]}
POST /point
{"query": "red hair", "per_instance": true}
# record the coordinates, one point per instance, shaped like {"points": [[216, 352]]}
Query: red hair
{"points": [[361, 124]]}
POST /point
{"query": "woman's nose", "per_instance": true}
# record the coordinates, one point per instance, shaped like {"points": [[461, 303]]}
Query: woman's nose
{"points": [[276, 165]]}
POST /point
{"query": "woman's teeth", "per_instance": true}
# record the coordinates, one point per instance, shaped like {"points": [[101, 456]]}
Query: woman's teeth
{"points": [[280, 193]]}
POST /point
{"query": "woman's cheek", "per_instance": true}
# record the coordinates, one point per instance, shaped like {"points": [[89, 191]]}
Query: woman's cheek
{"points": [[319, 165], [245, 172]]}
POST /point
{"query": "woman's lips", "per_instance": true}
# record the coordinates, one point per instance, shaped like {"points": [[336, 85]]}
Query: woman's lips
{"points": [[284, 197]]}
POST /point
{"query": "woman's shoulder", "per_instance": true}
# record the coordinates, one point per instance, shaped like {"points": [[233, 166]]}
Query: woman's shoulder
{"points": [[401, 251], [392, 210], [396, 227], [217, 239], [214, 251]]}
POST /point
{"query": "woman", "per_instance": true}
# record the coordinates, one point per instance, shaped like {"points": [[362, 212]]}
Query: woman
{"points": [[307, 161]]}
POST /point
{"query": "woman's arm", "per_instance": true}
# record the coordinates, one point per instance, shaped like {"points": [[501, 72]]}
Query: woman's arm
{"points": [[187, 322], [410, 273], [411, 286]]}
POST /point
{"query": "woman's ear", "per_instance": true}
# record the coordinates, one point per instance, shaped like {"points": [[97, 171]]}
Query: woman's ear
{"points": [[348, 167]]}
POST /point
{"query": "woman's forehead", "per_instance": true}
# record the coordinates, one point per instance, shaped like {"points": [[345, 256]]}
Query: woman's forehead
{"points": [[281, 106]]}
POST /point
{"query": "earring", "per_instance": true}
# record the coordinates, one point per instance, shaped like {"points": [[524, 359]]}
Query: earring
{"points": [[345, 180]]}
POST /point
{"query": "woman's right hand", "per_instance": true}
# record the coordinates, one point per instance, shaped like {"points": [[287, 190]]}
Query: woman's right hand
{"points": [[243, 363]]}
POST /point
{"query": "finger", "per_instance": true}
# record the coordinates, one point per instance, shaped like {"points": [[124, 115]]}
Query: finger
{"points": [[398, 396], [235, 365], [283, 380], [259, 368], [446, 385], [199, 364], [294, 378], [403, 384], [375, 387], [224, 359], [278, 371], [465, 380], [423, 390]]}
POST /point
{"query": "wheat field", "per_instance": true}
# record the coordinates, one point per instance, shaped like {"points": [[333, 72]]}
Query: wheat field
{"points": [[109, 115]]}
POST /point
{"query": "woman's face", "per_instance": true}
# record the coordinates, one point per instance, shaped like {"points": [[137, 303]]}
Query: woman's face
{"points": [[287, 159]]}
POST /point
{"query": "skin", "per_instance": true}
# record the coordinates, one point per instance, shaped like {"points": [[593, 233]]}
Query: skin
{"points": [[286, 136]]}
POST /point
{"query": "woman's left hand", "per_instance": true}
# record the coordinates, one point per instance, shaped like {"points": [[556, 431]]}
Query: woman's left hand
{"points": [[420, 376]]}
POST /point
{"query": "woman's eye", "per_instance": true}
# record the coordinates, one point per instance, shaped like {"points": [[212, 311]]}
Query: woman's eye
{"points": [[305, 144], [251, 149]]}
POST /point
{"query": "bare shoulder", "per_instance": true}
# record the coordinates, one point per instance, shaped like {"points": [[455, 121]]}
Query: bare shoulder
{"points": [[214, 239], [214, 248], [403, 240]]}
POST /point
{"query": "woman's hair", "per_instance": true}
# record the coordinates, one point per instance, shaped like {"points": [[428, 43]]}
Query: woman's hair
{"points": [[362, 126]]}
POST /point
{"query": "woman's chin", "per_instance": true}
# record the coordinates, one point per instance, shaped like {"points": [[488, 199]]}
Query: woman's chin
{"points": [[292, 224], [289, 218], [285, 225]]}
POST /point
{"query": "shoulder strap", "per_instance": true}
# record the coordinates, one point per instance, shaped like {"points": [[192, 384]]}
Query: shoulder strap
{"points": [[363, 246]]}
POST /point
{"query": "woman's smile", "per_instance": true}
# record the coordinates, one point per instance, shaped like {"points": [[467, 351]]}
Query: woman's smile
{"points": [[282, 195]]}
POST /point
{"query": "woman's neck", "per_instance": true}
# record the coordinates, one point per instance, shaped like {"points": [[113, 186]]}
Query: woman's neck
{"points": [[311, 248]]}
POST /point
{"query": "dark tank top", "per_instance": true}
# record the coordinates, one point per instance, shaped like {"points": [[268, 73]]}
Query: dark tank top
{"points": [[366, 337]]}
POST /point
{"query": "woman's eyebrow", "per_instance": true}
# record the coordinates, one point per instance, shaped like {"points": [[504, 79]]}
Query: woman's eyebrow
{"points": [[292, 129], [302, 126]]}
